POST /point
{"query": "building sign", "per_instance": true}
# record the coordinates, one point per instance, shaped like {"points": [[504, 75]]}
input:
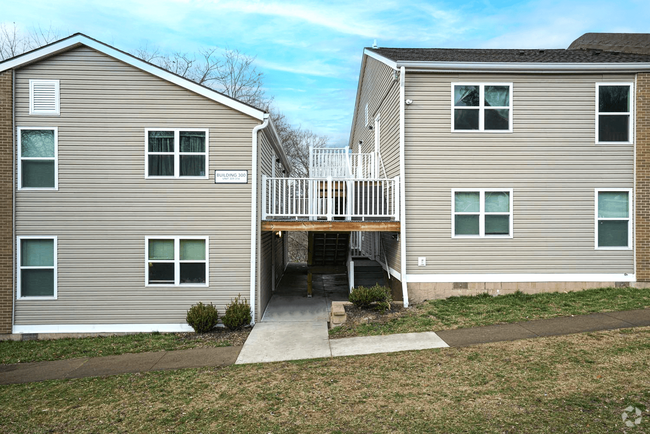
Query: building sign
{"points": [[231, 176]]}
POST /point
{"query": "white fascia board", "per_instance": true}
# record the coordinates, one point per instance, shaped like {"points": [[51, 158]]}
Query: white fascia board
{"points": [[357, 101], [526, 67], [527, 277], [370, 53], [102, 328], [276, 143], [80, 39]]}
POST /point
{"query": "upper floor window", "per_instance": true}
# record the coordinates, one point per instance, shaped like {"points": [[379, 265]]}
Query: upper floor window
{"points": [[172, 153], [481, 213], [37, 154], [482, 107], [44, 97], [613, 113]]}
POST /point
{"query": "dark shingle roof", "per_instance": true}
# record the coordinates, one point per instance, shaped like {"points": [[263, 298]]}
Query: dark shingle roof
{"points": [[638, 43], [508, 55]]}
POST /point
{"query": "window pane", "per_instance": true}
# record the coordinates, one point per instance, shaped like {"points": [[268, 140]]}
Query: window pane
{"points": [[612, 233], [192, 273], [192, 250], [465, 119], [37, 143], [37, 283], [497, 201], [192, 141], [614, 98], [37, 253], [467, 225], [466, 96], [192, 165], [613, 204], [614, 128], [497, 119], [161, 141], [161, 250], [38, 173], [161, 165], [161, 273], [467, 201], [497, 225], [497, 96]]}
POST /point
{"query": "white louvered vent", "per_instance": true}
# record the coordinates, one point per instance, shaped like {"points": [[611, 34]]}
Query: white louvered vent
{"points": [[44, 97]]}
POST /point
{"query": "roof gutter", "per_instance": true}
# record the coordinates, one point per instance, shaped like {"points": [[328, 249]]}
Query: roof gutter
{"points": [[523, 67]]}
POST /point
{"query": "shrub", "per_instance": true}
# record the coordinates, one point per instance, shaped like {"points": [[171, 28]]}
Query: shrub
{"points": [[364, 297], [238, 314], [202, 317]]}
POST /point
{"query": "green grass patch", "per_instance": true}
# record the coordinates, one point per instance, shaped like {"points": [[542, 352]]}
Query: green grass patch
{"points": [[533, 386], [70, 348], [484, 309]]}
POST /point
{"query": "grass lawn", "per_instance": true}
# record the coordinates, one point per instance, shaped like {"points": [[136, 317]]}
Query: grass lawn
{"points": [[480, 310], [70, 348], [569, 384]]}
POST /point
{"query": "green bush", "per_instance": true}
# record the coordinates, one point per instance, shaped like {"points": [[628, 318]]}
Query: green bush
{"points": [[238, 314], [364, 297], [202, 317]]}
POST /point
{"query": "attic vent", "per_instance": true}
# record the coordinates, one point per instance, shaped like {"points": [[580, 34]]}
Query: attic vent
{"points": [[541, 51], [44, 97]]}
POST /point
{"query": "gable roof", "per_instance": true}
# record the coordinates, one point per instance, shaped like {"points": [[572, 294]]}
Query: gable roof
{"points": [[79, 39], [624, 42]]}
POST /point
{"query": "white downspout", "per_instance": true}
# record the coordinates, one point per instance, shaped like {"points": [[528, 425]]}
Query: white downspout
{"points": [[402, 187], [254, 217]]}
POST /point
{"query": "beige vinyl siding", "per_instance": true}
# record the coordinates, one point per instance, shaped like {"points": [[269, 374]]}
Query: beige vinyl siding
{"points": [[265, 249], [105, 207], [550, 161], [381, 92]]}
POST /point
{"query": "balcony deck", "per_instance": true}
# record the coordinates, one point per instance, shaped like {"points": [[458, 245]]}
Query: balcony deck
{"points": [[331, 225]]}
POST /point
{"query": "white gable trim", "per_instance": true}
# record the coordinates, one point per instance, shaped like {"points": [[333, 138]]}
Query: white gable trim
{"points": [[370, 53], [524, 67], [79, 39]]}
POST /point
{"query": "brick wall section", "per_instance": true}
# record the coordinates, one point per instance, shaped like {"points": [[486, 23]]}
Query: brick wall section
{"points": [[643, 178], [6, 198]]}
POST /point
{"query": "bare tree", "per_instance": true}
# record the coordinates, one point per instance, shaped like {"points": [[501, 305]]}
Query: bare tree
{"points": [[14, 41], [296, 142]]}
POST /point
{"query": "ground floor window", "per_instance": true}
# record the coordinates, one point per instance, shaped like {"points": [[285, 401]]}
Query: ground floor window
{"points": [[177, 261], [613, 221], [37, 267], [481, 213]]}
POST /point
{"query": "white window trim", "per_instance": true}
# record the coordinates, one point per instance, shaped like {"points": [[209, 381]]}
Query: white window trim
{"points": [[57, 110], [19, 266], [631, 113], [481, 212], [177, 153], [630, 219], [177, 261], [55, 158], [481, 108]]}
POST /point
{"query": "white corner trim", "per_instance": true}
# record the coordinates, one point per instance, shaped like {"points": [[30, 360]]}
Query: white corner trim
{"points": [[370, 53], [103, 328], [526, 277], [80, 39]]}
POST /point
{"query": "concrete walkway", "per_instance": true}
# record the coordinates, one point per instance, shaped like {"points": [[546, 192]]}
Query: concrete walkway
{"points": [[285, 346]]}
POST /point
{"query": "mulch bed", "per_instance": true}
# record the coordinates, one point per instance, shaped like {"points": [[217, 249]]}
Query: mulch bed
{"points": [[356, 316], [220, 335]]}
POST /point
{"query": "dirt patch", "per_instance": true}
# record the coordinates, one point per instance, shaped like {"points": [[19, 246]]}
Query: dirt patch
{"points": [[358, 316], [219, 337]]}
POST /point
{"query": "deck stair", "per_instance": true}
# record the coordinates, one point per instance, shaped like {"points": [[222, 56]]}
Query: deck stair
{"points": [[327, 254], [368, 273]]}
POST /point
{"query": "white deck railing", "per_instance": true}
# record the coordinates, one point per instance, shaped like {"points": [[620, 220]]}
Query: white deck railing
{"points": [[329, 198], [339, 163]]}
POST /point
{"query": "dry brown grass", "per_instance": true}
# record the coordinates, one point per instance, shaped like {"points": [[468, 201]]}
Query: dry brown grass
{"points": [[575, 384]]}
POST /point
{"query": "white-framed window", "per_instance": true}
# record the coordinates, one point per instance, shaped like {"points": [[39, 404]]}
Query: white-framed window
{"points": [[44, 97], [176, 261], [37, 269], [481, 107], [614, 107], [176, 153], [38, 152], [481, 213], [613, 218]]}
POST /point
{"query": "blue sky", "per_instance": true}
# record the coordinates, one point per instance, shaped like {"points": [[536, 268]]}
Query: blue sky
{"points": [[310, 51]]}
